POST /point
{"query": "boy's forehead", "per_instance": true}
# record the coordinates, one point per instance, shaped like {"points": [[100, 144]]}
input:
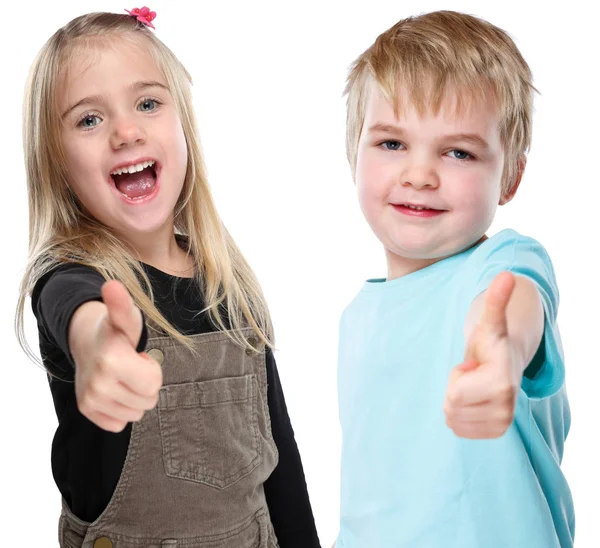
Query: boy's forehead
{"points": [[454, 106]]}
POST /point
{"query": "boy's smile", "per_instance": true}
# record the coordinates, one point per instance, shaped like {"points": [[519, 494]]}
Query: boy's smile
{"points": [[417, 210], [429, 184]]}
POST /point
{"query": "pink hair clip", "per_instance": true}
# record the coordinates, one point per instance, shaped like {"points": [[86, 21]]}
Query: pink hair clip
{"points": [[143, 15]]}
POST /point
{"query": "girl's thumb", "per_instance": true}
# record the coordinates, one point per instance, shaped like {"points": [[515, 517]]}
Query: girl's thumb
{"points": [[122, 312]]}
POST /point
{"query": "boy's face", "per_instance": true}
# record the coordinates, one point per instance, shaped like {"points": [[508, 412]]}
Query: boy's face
{"points": [[452, 165], [118, 114]]}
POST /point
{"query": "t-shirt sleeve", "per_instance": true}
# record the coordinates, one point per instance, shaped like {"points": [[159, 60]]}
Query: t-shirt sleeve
{"points": [[57, 295], [524, 256]]}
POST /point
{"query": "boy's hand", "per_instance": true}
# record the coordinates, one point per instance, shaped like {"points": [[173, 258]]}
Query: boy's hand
{"points": [[114, 384], [482, 391]]}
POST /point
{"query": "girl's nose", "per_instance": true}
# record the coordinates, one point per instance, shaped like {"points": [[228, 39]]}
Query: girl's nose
{"points": [[127, 133]]}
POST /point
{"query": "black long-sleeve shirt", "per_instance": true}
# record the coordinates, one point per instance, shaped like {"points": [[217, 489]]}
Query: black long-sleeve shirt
{"points": [[87, 461]]}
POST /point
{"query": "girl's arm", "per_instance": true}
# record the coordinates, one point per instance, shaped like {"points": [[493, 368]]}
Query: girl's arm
{"points": [[114, 384], [286, 491]]}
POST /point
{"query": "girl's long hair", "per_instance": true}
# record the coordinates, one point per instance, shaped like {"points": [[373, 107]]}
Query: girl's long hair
{"points": [[61, 231]]}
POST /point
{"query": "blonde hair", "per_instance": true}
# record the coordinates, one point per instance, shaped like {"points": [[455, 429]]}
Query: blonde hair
{"points": [[61, 231], [440, 51]]}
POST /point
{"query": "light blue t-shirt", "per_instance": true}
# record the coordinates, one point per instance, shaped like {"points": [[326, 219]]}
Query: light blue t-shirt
{"points": [[407, 480]]}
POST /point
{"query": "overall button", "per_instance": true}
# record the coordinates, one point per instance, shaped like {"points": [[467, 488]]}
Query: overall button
{"points": [[156, 354], [103, 542]]}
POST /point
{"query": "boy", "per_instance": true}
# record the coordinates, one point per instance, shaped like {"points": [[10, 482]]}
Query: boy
{"points": [[451, 376]]}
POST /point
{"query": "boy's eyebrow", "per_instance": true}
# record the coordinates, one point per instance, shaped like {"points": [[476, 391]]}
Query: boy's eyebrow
{"points": [[385, 128], [136, 86], [473, 138]]}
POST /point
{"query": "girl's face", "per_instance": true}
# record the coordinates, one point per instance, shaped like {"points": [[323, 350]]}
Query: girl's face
{"points": [[124, 144]]}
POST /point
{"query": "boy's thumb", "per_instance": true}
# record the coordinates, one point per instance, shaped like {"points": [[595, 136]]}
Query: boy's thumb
{"points": [[122, 312], [465, 367]]}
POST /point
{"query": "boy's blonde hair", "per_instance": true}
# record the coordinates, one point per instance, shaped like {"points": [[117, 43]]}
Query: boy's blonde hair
{"points": [[61, 231], [444, 51]]}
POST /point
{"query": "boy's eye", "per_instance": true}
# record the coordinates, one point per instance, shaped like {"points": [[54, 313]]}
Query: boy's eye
{"points": [[460, 154], [148, 105], [391, 145], [89, 121]]}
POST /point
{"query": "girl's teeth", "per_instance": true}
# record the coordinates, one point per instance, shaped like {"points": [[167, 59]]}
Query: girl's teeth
{"points": [[133, 169]]}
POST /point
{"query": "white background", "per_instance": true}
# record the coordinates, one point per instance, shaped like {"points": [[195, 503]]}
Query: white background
{"points": [[268, 83]]}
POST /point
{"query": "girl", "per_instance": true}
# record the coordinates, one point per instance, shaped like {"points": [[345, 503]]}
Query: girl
{"points": [[187, 444]]}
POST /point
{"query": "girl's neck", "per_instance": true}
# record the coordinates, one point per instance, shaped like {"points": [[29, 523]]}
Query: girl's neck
{"points": [[165, 253]]}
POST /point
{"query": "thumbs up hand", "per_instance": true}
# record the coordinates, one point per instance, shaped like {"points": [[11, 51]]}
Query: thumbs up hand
{"points": [[114, 384], [482, 391]]}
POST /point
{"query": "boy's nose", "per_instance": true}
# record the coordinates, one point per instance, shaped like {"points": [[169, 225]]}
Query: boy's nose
{"points": [[127, 133], [420, 177]]}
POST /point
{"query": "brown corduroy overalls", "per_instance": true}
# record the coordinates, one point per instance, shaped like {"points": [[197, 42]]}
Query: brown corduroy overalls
{"points": [[194, 472]]}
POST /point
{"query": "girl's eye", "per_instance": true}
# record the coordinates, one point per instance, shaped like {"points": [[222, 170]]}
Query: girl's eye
{"points": [[148, 105], [89, 121], [391, 145], [460, 155]]}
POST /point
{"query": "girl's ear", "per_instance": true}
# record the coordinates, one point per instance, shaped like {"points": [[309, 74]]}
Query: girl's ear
{"points": [[510, 193]]}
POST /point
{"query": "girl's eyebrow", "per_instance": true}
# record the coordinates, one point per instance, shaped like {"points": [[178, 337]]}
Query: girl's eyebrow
{"points": [[84, 101], [136, 86]]}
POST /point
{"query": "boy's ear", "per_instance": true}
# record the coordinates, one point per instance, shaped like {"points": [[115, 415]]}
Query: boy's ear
{"points": [[510, 194]]}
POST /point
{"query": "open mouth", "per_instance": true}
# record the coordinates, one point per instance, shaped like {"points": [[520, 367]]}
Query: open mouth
{"points": [[136, 181]]}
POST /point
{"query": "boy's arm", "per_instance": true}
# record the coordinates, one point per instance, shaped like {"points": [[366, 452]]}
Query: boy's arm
{"points": [[504, 328], [524, 322]]}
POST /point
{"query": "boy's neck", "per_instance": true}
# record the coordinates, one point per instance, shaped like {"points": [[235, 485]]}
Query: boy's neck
{"points": [[398, 266]]}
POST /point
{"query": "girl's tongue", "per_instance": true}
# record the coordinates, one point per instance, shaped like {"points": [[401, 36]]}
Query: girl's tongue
{"points": [[136, 185]]}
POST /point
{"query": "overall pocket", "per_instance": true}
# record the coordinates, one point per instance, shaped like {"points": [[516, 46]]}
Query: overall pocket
{"points": [[210, 431]]}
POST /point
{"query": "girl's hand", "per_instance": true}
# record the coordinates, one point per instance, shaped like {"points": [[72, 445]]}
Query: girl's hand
{"points": [[114, 384]]}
